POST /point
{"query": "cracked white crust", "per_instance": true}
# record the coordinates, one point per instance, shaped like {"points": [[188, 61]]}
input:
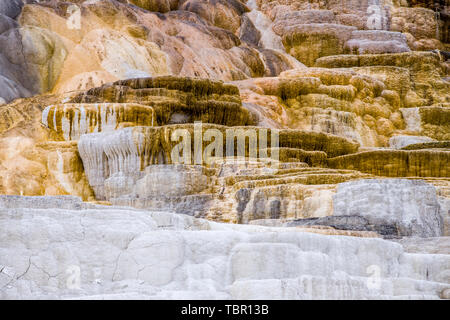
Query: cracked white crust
{"points": [[129, 253]]}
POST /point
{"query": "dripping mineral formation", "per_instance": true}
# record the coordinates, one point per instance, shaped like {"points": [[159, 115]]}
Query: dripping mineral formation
{"points": [[322, 169]]}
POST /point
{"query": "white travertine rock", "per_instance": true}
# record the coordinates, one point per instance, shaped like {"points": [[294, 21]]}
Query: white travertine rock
{"points": [[281, 13], [445, 211], [113, 252], [412, 118], [398, 142], [377, 41], [268, 38], [410, 207], [112, 162]]}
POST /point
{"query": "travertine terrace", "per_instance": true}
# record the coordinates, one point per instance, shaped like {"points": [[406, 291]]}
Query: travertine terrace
{"points": [[190, 149]]}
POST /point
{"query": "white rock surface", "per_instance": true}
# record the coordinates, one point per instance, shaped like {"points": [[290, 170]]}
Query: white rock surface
{"points": [[412, 118], [409, 206], [114, 252], [398, 142]]}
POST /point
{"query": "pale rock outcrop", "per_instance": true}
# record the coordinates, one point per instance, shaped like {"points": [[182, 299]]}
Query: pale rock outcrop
{"points": [[183, 181], [72, 254], [105, 155], [44, 202], [281, 202], [412, 119], [16, 78], [124, 57], [308, 42], [131, 150], [355, 104], [395, 207], [45, 53], [438, 245], [72, 120], [377, 41], [413, 210]]}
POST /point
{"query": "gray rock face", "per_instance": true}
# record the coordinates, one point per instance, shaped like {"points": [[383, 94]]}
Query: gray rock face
{"points": [[124, 253], [355, 223], [44, 202], [248, 31], [11, 8], [16, 79], [408, 207], [377, 41]]}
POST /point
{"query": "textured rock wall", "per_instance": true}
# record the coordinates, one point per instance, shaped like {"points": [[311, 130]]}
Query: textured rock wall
{"points": [[343, 83], [364, 104], [176, 99], [397, 163], [73, 120], [142, 254], [130, 150], [198, 39], [30, 163], [409, 207], [16, 78]]}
